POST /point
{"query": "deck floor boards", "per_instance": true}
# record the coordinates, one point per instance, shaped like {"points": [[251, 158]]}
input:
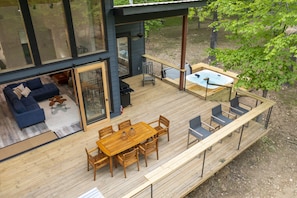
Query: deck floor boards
{"points": [[59, 169]]}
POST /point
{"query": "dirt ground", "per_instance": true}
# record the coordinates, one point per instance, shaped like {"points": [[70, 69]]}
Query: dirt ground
{"points": [[269, 167]]}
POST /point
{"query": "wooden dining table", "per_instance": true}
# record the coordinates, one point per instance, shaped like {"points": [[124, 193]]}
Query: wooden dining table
{"points": [[116, 143]]}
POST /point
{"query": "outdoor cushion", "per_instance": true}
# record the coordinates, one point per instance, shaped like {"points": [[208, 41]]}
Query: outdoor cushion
{"points": [[34, 83]]}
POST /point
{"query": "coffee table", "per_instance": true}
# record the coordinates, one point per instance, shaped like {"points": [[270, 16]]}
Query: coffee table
{"points": [[59, 101]]}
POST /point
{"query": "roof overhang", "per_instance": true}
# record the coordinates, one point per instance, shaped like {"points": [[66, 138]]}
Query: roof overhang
{"points": [[149, 11]]}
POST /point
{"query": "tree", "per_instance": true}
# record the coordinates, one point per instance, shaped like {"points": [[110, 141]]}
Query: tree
{"points": [[263, 52]]}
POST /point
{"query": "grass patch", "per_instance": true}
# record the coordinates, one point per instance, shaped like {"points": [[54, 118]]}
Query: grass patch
{"points": [[268, 143]]}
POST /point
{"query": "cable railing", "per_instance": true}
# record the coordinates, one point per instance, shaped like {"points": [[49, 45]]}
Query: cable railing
{"points": [[186, 171]]}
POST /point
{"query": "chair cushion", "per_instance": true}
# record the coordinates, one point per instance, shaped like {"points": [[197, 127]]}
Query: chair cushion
{"points": [[19, 106], [34, 83]]}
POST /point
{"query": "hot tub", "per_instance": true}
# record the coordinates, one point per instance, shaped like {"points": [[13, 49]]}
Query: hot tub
{"points": [[200, 78]]}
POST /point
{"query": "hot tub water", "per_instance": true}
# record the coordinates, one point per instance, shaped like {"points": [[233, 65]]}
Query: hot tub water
{"points": [[200, 78]]}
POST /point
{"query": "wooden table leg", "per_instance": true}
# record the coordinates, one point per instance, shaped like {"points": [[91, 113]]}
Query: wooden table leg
{"points": [[110, 165]]}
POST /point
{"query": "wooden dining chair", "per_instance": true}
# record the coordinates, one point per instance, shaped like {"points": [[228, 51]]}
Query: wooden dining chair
{"points": [[97, 161], [124, 124], [148, 148], [127, 158], [162, 126], [106, 131]]}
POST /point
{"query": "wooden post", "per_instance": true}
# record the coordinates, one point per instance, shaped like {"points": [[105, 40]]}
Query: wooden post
{"points": [[183, 52]]}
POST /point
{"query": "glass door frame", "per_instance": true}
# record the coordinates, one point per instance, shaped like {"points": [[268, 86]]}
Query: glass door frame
{"points": [[85, 68]]}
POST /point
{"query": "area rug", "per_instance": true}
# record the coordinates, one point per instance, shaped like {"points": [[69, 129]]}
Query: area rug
{"points": [[26, 145], [63, 120]]}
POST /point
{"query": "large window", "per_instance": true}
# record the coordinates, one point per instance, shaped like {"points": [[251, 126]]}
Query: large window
{"points": [[14, 49], [50, 29], [88, 25]]}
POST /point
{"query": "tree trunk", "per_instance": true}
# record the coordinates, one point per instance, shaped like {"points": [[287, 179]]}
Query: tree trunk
{"points": [[214, 37]]}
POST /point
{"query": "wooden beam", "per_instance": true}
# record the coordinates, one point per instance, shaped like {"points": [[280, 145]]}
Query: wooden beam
{"points": [[183, 52]]}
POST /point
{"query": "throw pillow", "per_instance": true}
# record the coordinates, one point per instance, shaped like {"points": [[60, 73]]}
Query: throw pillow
{"points": [[26, 92], [34, 83], [18, 90]]}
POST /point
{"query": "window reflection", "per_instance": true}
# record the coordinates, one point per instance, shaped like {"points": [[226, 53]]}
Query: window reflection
{"points": [[50, 29], [123, 56], [88, 25], [14, 48], [93, 95]]}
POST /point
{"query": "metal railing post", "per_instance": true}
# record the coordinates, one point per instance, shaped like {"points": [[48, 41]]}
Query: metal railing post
{"points": [[151, 190], [240, 137], [204, 154]]}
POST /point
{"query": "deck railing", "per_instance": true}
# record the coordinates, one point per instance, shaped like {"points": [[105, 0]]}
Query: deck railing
{"points": [[186, 171]]}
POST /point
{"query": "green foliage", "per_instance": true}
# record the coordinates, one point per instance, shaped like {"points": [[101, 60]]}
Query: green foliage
{"points": [[264, 50]]}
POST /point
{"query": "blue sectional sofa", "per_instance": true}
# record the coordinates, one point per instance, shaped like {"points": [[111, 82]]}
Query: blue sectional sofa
{"points": [[22, 100]]}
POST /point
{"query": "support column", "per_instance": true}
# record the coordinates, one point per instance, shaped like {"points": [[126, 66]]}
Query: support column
{"points": [[183, 52]]}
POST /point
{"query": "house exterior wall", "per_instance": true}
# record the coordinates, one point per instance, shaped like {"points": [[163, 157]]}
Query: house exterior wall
{"points": [[137, 46], [110, 55]]}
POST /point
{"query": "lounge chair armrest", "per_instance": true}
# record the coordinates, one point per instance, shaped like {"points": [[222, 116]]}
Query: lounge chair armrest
{"points": [[231, 114], [217, 118], [235, 109], [92, 150], [101, 160], [196, 131], [141, 147], [208, 125], [246, 105]]}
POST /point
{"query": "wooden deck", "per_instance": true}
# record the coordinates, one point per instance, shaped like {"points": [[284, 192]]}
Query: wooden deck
{"points": [[59, 169]]}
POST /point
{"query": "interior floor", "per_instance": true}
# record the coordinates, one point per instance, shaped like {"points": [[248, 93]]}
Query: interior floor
{"points": [[11, 133]]}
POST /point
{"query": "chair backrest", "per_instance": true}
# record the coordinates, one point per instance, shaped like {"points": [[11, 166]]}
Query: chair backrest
{"points": [[164, 121], [151, 145], [234, 102], [147, 68], [217, 110], [130, 157], [106, 131], [89, 157], [124, 124], [195, 122]]}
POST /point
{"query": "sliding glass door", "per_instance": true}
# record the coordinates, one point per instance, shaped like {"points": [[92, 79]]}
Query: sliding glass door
{"points": [[92, 94]]}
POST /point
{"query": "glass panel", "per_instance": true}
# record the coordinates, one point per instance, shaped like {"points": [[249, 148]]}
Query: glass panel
{"points": [[123, 56], [93, 95], [14, 49], [50, 29], [88, 25]]}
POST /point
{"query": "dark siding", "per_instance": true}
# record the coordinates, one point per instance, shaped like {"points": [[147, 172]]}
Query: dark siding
{"points": [[137, 47]]}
